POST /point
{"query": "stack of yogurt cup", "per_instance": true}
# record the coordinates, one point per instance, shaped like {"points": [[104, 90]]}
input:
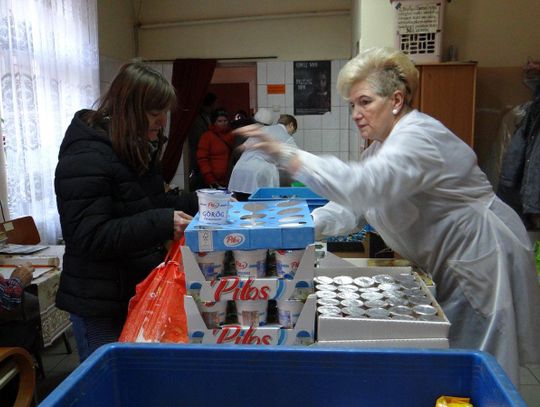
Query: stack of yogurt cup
{"points": [[250, 264], [382, 296]]}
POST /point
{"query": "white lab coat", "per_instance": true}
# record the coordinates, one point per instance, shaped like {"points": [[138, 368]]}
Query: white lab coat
{"points": [[256, 169], [425, 195]]}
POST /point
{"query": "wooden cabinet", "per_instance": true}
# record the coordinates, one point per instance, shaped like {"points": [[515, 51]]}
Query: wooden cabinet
{"points": [[447, 92]]}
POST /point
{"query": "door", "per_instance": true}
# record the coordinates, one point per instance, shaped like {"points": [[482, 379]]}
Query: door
{"points": [[232, 96], [447, 92]]}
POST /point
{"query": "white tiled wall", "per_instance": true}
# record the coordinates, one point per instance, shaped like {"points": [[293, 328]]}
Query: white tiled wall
{"points": [[331, 133]]}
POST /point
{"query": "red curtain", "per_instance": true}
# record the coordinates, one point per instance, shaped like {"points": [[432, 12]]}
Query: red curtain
{"points": [[190, 78]]}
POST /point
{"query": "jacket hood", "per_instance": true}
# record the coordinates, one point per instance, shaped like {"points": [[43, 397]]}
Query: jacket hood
{"points": [[78, 130]]}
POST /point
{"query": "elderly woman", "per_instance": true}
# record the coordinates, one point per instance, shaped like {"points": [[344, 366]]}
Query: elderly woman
{"points": [[420, 187]]}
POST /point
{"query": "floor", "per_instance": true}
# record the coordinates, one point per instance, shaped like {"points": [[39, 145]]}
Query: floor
{"points": [[58, 364]]}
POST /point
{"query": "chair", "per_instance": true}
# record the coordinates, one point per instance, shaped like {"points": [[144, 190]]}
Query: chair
{"points": [[17, 362], [21, 230]]}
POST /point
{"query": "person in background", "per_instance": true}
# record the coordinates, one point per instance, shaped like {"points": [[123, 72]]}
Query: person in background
{"points": [[214, 151], [291, 125], [115, 215], [519, 179], [198, 128], [420, 187], [240, 119], [255, 169]]}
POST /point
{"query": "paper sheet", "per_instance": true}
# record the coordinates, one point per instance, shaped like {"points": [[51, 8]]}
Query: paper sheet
{"points": [[38, 271], [21, 249]]}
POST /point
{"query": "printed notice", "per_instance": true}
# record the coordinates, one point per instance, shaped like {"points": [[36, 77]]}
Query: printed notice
{"points": [[417, 18]]}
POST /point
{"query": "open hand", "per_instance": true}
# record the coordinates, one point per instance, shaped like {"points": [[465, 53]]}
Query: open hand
{"points": [[259, 140]]}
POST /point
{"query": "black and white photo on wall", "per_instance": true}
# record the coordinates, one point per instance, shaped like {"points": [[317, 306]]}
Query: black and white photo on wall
{"points": [[312, 87]]}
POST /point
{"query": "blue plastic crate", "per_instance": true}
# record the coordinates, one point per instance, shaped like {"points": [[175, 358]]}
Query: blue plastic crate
{"points": [[313, 200], [198, 375]]}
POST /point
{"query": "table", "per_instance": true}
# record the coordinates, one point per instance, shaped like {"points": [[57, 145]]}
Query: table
{"points": [[54, 322]]}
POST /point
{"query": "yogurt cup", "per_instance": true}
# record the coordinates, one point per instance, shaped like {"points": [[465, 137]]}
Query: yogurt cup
{"points": [[213, 206], [211, 264], [288, 312], [252, 313], [213, 313], [250, 263], [287, 262]]}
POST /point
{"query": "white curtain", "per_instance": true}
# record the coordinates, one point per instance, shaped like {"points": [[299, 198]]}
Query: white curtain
{"points": [[49, 69]]}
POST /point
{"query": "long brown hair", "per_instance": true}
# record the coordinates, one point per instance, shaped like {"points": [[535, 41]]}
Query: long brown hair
{"points": [[136, 90]]}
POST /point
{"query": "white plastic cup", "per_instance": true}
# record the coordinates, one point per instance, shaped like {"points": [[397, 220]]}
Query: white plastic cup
{"points": [[213, 206], [288, 312], [211, 264], [252, 313], [250, 263], [213, 313], [287, 262]]}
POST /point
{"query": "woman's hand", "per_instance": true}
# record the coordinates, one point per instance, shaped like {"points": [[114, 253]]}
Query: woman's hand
{"points": [[264, 143], [181, 221], [284, 155]]}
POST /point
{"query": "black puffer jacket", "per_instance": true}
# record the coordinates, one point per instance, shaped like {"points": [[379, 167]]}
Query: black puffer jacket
{"points": [[114, 223]]}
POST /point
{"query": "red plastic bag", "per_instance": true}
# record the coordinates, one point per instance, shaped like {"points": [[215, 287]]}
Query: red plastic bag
{"points": [[156, 311]]}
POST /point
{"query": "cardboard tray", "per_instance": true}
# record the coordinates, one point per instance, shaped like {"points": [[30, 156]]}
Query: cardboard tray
{"points": [[432, 343], [339, 329], [279, 225], [303, 332], [235, 288]]}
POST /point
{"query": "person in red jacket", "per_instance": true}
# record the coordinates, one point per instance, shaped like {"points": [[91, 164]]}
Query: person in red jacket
{"points": [[214, 150]]}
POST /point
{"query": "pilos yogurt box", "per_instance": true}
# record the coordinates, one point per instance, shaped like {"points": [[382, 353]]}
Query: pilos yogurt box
{"points": [[285, 224], [303, 332], [249, 288]]}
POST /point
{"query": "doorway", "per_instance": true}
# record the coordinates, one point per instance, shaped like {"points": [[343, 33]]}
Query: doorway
{"points": [[235, 85]]}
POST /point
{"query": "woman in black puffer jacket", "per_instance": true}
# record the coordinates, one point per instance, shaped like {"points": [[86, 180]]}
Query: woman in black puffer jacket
{"points": [[114, 211]]}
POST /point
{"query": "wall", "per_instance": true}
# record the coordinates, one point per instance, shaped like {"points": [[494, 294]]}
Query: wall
{"points": [[115, 24], [286, 30], [116, 21], [320, 134]]}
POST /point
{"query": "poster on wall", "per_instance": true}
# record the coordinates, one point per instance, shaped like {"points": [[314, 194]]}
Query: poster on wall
{"points": [[311, 87]]}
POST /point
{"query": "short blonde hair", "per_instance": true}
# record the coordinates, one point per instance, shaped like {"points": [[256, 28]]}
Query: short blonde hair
{"points": [[386, 69]]}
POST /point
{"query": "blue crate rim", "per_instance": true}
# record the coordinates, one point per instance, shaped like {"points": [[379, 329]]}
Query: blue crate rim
{"points": [[108, 352]]}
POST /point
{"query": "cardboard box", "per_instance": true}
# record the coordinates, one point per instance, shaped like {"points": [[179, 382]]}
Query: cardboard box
{"points": [[278, 225], [303, 332], [235, 288], [359, 329], [433, 343]]}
